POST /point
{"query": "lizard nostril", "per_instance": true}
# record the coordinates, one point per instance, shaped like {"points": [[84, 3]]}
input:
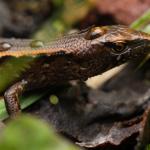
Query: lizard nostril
{"points": [[5, 46]]}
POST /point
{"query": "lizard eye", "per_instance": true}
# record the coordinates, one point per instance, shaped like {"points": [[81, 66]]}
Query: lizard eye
{"points": [[116, 48], [94, 33]]}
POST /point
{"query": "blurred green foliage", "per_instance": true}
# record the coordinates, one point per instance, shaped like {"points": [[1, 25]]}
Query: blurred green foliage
{"points": [[63, 19], [28, 133], [26, 100], [12, 69], [142, 22], [148, 147]]}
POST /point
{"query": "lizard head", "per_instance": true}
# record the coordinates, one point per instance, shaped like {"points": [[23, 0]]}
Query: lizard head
{"points": [[119, 40], [114, 45]]}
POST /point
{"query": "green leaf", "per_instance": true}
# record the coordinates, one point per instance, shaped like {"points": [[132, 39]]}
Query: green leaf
{"points": [[11, 70], [148, 147], [28, 133], [142, 22], [26, 101]]}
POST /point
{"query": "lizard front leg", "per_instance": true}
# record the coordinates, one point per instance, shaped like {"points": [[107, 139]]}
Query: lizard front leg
{"points": [[11, 98]]}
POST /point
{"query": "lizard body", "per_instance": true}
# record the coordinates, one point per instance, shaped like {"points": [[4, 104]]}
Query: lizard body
{"points": [[75, 56]]}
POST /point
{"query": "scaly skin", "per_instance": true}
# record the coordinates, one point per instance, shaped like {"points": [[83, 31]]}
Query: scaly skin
{"points": [[74, 56]]}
